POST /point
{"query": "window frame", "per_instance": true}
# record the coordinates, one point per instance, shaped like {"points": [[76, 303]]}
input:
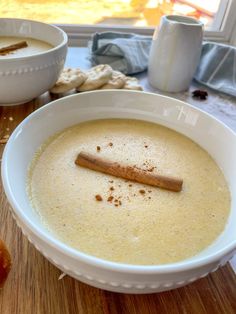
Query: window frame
{"points": [[224, 23]]}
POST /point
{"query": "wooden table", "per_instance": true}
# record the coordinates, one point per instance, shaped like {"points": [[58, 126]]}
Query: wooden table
{"points": [[33, 286]]}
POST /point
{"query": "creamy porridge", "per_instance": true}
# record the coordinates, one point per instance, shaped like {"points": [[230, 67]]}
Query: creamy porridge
{"points": [[124, 221], [34, 46]]}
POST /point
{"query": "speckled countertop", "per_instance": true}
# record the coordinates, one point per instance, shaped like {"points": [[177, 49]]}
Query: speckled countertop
{"points": [[220, 105]]}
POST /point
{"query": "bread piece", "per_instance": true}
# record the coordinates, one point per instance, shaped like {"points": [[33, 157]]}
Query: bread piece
{"points": [[97, 77], [132, 83], [116, 81], [68, 80]]}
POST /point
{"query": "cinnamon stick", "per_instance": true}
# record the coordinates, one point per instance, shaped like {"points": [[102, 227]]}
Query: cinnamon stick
{"points": [[131, 173], [7, 49]]}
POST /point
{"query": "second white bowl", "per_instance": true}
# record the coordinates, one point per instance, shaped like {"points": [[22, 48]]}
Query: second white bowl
{"points": [[24, 78]]}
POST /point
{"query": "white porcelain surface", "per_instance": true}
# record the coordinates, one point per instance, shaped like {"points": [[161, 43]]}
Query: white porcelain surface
{"points": [[24, 78], [211, 134], [175, 53]]}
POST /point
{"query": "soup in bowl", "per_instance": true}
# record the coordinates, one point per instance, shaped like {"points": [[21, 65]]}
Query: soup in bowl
{"points": [[32, 55], [116, 233]]}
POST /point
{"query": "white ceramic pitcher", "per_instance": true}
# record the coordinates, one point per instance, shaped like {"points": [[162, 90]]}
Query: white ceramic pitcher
{"points": [[175, 53]]}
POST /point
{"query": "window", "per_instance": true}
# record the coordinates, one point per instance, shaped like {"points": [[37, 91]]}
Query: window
{"points": [[81, 18]]}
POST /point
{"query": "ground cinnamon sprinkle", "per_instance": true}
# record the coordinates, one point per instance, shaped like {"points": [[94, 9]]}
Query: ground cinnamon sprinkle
{"points": [[130, 185], [111, 181], [146, 146], [111, 188], [98, 148], [110, 144], [142, 192], [110, 199], [98, 198]]}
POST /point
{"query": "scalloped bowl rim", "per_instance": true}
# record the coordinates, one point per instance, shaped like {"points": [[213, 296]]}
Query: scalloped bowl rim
{"points": [[89, 259], [35, 55]]}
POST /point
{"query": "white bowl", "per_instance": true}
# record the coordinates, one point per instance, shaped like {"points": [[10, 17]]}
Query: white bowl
{"points": [[211, 134], [24, 78]]}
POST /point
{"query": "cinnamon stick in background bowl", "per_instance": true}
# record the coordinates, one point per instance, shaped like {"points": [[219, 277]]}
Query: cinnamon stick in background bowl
{"points": [[131, 173], [13, 47]]}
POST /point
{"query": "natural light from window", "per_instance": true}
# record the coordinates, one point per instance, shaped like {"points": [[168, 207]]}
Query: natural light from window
{"points": [[139, 13]]}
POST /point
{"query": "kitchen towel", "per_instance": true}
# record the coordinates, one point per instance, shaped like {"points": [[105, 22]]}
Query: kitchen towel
{"points": [[217, 68], [129, 54], [124, 52]]}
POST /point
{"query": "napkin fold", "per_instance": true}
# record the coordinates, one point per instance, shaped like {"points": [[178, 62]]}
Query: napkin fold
{"points": [[128, 53], [124, 52], [217, 68]]}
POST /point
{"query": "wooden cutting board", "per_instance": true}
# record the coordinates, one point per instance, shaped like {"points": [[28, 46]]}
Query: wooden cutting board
{"points": [[33, 286]]}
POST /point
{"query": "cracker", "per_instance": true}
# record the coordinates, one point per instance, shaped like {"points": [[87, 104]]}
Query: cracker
{"points": [[68, 79], [117, 81], [97, 76], [132, 83]]}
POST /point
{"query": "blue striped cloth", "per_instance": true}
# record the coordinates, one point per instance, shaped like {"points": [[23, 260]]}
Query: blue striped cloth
{"points": [[217, 68], [129, 54]]}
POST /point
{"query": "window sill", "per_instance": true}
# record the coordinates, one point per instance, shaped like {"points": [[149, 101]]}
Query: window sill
{"points": [[79, 35]]}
